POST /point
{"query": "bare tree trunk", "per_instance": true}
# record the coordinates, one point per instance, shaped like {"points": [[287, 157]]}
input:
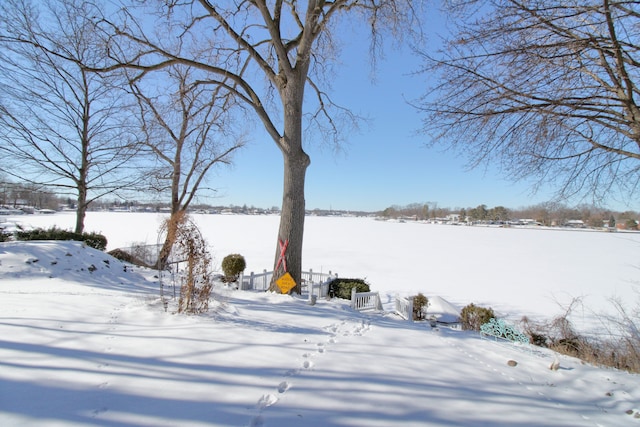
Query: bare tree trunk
{"points": [[296, 161], [81, 208], [176, 217], [291, 229]]}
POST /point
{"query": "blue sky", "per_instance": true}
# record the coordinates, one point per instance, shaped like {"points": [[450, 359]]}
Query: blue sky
{"points": [[385, 163]]}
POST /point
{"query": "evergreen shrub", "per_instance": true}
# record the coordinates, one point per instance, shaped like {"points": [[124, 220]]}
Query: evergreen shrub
{"points": [[472, 317], [341, 288], [420, 304], [93, 240], [232, 266]]}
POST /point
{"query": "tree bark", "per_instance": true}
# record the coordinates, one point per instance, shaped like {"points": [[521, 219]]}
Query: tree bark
{"points": [[296, 161], [292, 215], [81, 208]]}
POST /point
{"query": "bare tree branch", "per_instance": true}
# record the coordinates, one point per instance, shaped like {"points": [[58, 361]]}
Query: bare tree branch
{"points": [[546, 90], [63, 125]]}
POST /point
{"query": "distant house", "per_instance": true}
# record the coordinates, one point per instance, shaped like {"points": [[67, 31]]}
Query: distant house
{"points": [[575, 223], [453, 218], [625, 226], [6, 210], [528, 221]]}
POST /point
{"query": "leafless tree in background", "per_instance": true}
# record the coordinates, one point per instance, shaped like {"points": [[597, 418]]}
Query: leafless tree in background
{"points": [[188, 130], [546, 89], [61, 125]]}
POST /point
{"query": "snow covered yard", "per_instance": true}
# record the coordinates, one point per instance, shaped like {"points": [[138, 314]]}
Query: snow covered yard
{"points": [[86, 341], [517, 271]]}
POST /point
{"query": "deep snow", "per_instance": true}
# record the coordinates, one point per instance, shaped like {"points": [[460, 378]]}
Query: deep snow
{"points": [[84, 342]]}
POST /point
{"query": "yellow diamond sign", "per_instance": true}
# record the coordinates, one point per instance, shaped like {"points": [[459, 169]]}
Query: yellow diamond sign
{"points": [[286, 283]]}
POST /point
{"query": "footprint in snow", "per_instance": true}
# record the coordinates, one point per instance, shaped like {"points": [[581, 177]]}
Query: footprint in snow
{"points": [[291, 372], [267, 400], [283, 387]]}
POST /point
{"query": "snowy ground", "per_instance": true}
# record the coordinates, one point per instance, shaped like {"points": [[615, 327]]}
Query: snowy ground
{"points": [[517, 271], [84, 342]]}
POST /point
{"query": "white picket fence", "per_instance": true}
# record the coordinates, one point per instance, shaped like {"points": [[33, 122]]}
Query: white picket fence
{"points": [[316, 285], [404, 307], [363, 301], [313, 283], [255, 282]]}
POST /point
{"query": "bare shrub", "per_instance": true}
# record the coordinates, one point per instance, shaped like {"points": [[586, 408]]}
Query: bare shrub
{"points": [[197, 281], [622, 347], [129, 257], [616, 346], [537, 336], [143, 254]]}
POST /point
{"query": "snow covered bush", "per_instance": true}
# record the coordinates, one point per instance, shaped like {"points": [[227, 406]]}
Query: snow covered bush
{"points": [[232, 266], [341, 288], [472, 317]]}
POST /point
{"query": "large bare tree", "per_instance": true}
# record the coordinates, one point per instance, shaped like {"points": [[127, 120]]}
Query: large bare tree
{"points": [[267, 53], [188, 129], [546, 89], [62, 125]]}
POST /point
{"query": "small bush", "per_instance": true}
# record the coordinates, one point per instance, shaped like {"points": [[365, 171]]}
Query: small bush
{"points": [[232, 266], [341, 288], [122, 255], [536, 336], [127, 257], [420, 304], [5, 237], [472, 317], [93, 240]]}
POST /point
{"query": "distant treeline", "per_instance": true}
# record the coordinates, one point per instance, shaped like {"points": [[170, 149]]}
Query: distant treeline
{"points": [[544, 213], [25, 195]]}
